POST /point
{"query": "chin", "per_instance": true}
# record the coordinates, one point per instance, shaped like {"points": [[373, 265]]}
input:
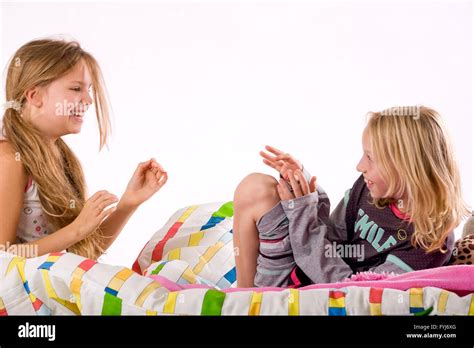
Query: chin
{"points": [[74, 131], [375, 195]]}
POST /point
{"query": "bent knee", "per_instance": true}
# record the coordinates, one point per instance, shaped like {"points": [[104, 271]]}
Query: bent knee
{"points": [[255, 187]]}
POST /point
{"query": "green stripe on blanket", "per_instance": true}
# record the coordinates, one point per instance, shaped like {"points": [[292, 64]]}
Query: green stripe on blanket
{"points": [[112, 305], [213, 302]]}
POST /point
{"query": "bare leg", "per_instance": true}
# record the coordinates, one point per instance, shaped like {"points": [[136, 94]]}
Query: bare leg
{"points": [[255, 195]]}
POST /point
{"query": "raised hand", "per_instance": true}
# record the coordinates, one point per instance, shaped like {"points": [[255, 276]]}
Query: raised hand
{"points": [[280, 161], [149, 178], [298, 184]]}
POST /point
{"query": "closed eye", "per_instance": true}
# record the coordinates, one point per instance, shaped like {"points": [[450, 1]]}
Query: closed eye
{"points": [[78, 89]]}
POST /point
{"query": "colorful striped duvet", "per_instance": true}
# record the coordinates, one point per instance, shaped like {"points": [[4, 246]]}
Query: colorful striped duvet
{"points": [[187, 268]]}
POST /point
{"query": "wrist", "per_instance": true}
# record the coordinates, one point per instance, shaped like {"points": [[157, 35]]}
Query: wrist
{"points": [[127, 205], [75, 233], [301, 201]]}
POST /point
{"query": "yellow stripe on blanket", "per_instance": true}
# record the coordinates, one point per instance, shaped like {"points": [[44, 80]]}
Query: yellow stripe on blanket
{"points": [[255, 303], [124, 274], [189, 275], [187, 213], [146, 292], [337, 302], [471, 307], [75, 288], [53, 258], [416, 297], [209, 254], [119, 279], [375, 308], [78, 273], [174, 254], [170, 302], [195, 238], [16, 261], [442, 300], [294, 302], [54, 296], [19, 263]]}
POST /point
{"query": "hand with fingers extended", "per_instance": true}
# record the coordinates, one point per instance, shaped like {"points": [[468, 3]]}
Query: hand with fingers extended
{"points": [[280, 161], [94, 212], [300, 187], [149, 178]]}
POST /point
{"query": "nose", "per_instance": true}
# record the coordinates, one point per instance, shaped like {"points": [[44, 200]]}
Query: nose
{"points": [[360, 166], [87, 100]]}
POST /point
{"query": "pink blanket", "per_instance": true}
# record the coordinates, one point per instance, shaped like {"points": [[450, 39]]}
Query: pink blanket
{"points": [[457, 278]]}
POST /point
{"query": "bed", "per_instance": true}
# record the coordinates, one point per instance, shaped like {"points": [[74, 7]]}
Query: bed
{"points": [[187, 268]]}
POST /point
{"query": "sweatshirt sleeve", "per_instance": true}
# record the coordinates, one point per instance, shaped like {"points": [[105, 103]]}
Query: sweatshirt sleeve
{"points": [[312, 232]]}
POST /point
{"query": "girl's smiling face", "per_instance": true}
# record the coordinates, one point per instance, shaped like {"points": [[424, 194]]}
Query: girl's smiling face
{"points": [[369, 167], [58, 108]]}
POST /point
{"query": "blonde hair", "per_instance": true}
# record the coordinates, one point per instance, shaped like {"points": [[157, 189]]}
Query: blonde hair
{"points": [[60, 180], [416, 160]]}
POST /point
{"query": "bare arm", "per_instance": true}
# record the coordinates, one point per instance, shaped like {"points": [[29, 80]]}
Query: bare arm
{"points": [[147, 179], [13, 179], [88, 220], [12, 183], [113, 225], [55, 242]]}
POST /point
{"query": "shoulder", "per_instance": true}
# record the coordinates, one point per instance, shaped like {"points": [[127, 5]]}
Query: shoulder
{"points": [[13, 179], [6, 148], [11, 167], [8, 153]]}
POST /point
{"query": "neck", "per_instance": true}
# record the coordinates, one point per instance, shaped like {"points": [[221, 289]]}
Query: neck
{"points": [[54, 147], [402, 204]]}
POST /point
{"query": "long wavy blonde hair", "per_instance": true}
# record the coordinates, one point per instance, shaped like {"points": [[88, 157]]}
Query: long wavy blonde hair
{"points": [[60, 180], [417, 160]]}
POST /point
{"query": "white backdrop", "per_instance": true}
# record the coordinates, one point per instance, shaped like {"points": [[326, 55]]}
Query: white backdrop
{"points": [[203, 86]]}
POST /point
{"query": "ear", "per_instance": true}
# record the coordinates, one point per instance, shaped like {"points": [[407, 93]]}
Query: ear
{"points": [[34, 96]]}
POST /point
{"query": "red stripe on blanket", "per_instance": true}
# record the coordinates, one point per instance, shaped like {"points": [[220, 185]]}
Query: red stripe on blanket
{"points": [[336, 294], [87, 264], [136, 265], [37, 304], [375, 295], [158, 251]]}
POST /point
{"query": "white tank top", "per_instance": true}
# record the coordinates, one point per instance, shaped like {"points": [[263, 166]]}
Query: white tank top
{"points": [[33, 224]]}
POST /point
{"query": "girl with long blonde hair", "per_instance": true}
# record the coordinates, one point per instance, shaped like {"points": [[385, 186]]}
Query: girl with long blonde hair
{"points": [[399, 215], [50, 84]]}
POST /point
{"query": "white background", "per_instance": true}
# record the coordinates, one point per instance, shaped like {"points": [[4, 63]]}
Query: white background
{"points": [[203, 86]]}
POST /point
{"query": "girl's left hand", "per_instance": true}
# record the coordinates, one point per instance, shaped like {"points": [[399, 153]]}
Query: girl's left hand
{"points": [[149, 178], [299, 185]]}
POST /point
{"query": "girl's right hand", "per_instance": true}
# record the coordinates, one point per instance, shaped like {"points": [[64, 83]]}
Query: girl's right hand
{"points": [[93, 213], [282, 162], [299, 187]]}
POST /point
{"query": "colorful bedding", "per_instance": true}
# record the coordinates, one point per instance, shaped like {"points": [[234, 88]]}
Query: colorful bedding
{"points": [[187, 268]]}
